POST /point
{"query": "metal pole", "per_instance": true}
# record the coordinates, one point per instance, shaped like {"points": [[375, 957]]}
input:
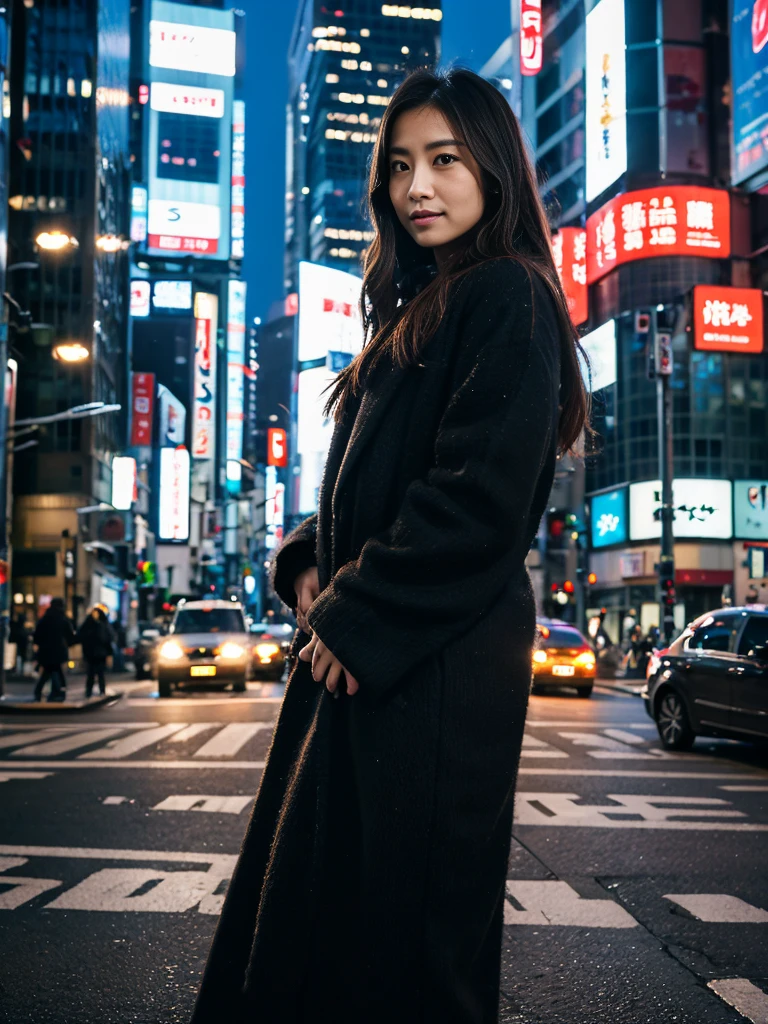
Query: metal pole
{"points": [[5, 52], [666, 474]]}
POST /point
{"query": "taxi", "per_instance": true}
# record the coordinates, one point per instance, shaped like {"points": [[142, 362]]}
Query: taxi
{"points": [[563, 657]]}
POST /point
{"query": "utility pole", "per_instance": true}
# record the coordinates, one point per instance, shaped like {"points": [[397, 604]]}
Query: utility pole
{"points": [[662, 365], [5, 582]]}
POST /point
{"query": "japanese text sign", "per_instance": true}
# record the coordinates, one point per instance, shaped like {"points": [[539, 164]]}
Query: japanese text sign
{"points": [[679, 220], [569, 247], [728, 319], [531, 38], [142, 406]]}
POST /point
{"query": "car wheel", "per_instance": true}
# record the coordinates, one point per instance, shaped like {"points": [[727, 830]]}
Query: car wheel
{"points": [[239, 686], [675, 730], [585, 691], [164, 688]]}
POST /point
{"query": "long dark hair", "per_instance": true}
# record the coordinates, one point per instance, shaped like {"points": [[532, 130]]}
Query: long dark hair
{"points": [[513, 225]]}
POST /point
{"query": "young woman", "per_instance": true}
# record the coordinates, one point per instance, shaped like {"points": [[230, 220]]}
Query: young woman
{"points": [[370, 886]]}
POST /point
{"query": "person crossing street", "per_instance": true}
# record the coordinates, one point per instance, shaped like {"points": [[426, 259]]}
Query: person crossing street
{"points": [[54, 634]]}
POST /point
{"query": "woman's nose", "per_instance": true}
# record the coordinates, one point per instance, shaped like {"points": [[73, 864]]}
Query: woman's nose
{"points": [[421, 188]]}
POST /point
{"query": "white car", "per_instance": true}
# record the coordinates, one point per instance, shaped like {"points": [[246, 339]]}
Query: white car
{"points": [[207, 642]]}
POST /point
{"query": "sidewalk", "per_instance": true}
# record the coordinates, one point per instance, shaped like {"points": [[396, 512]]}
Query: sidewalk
{"points": [[20, 693]]}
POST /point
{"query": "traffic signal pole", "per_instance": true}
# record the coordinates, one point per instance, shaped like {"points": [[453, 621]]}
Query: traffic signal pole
{"points": [[662, 368]]}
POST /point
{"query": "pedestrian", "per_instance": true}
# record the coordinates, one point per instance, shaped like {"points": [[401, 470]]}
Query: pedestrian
{"points": [[53, 636], [96, 638], [19, 635], [118, 631], [371, 883]]}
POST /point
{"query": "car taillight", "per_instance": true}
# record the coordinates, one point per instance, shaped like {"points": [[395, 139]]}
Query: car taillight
{"points": [[585, 658]]}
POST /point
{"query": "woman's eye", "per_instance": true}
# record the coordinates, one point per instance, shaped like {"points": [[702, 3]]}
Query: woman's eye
{"points": [[449, 157], [394, 166]]}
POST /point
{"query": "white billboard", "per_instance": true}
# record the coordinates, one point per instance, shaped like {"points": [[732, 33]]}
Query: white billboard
{"points": [[702, 509], [600, 346], [204, 394], [329, 314], [184, 227], [123, 482], [235, 378], [173, 518], [187, 99], [172, 295], [197, 48], [172, 418], [606, 102]]}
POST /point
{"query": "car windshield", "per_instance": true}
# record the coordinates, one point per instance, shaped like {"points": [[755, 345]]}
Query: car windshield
{"points": [[209, 620], [563, 636]]}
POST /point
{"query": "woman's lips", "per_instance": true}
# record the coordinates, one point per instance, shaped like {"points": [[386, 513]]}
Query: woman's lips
{"points": [[423, 221]]}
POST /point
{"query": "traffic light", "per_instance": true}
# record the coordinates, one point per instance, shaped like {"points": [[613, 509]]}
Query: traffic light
{"points": [[592, 579], [568, 587], [555, 528], [146, 573], [668, 596]]}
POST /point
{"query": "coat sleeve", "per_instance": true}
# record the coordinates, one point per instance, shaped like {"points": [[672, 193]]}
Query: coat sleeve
{"points": [[462, 532], [296, 553]]}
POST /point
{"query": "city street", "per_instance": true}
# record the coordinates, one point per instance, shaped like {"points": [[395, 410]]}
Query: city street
{"points": [[637, 888]]}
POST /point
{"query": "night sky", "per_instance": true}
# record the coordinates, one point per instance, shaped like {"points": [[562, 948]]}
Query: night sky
{"points": [[467, 38]]}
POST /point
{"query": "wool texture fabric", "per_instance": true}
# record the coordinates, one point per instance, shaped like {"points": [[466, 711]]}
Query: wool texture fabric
{"points": [[370, 884]]}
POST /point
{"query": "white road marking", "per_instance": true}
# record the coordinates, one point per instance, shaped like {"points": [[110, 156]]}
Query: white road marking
{"points": [[745, 789], [222, 863], [623, 736], [191, 731], [647, 812], [136, 741], [9, 776], [113, 801], [533, 747], [215, 804], [229, 740], [719, 908], [607, 748], [24, 890], [556, 903], [561, 723], [747, 999], [640, 773], [163, 765], [193, 702], [118, 890], [64, 744], [17, 739]]}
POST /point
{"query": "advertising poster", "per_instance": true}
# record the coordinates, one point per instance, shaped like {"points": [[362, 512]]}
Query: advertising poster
{"points": [[673, 220], [569, 247], [600, 346], [702, 509], [606, 101], [608, 518], [329, 314], [123, 482], [142, 406], [204, 388], [728, 319], [749, 84], [173, 511], [531, 37], [171, 418], [750, 509], [235, 378]]}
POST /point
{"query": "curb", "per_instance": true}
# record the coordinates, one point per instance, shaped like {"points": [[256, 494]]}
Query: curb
{"points": [[28, 705]]}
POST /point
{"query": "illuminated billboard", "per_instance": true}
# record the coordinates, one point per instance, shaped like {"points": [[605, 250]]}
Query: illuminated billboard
{"points": [[608, 518], [204, 386], [237, 214], [672, 220], [123, 482], [171, 296], [728, 319], [189, 142], [329, 313], [600, 346], [173, 511], [750, 507], [140, 290], [569, 247], [702, 508], [606, 100], [172, 418], [531, 37], [235, 379], [749, 88]]}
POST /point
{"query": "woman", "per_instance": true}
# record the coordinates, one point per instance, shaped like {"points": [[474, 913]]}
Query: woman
{"points": [[96, 638], [370, 886], [53, 636]]}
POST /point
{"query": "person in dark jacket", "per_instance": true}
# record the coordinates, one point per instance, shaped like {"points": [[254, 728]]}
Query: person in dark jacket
{"points": [[53, 636], [96, 638], [19, 635], [370, 887]]}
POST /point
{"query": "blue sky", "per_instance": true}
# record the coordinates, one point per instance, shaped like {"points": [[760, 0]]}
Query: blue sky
{"points": [[468, 36]]}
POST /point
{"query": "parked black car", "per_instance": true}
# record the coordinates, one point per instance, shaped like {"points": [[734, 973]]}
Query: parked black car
{"points": [[148, 635], [713, 679]]}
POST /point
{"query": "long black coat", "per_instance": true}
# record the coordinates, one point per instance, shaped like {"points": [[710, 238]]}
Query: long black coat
{"points": [[54, 633], [97, 638], [370, 885]]}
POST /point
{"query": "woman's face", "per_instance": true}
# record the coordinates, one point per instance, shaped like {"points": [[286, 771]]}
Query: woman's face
{"points": [[431, 170]]}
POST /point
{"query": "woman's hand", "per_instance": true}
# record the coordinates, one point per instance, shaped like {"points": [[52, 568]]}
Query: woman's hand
{"points": [[324, 661], [307, 588]]}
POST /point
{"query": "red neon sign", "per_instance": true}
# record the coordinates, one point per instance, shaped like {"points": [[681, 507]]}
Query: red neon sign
{"points": [[677, 220], [531, 38], [569, 247], [277, 447], [142, 406], [728, 319]]}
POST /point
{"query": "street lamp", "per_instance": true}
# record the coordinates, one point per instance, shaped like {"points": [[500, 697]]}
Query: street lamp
{"points": [[111, 243], [55, 241], [70, 352]]}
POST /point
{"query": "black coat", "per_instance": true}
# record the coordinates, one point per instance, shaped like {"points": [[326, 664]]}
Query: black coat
{"points": [[96, 638], [53, 635], [370, 885]]}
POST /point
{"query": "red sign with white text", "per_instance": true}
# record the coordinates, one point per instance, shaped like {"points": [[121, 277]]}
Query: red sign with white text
{"points": [[728, 319], [679, 220], [142, 405], [531, 38], [569, 247], [277, 447], [180, 243]]}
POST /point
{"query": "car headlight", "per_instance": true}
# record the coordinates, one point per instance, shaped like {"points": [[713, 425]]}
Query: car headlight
{"points": [[230, 650], [171, 651], [540, 657], [585, 660], [266, 650]]}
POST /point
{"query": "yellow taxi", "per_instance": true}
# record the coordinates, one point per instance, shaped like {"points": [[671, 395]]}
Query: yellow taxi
{"points": [[562, 656]]}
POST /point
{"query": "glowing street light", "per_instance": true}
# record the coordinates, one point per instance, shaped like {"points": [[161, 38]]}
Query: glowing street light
{"points": [[55, 241], [70, 352], [111, 243]]}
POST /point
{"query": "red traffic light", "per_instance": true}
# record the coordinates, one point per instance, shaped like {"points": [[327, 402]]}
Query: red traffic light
{"points": [[592, 579], [555, 587], [568, 587]]}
